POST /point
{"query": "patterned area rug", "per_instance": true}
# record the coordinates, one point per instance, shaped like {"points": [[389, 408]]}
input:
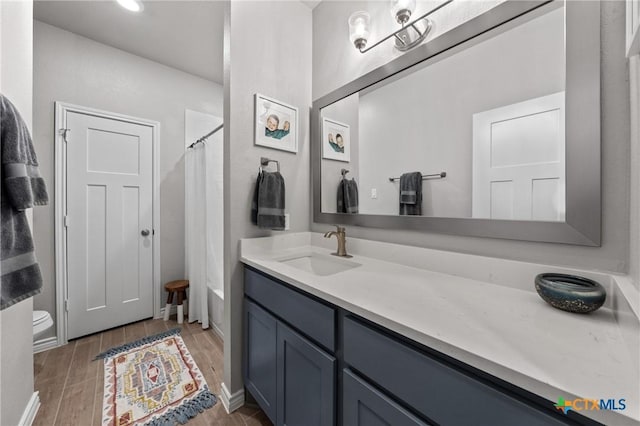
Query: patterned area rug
{"points": [[153, 382]]}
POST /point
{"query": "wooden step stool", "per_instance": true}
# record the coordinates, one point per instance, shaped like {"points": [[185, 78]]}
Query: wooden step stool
{"points": [[180, 288]]}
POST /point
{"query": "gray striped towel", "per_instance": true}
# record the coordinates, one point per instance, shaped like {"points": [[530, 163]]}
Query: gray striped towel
{"points": [[269, 201], [22, 188], [411, 194]]}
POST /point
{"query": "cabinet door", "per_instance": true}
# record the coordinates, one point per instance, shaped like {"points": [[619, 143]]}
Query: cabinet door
{"points": [[260, 357], [306, 382], [366, 406]]}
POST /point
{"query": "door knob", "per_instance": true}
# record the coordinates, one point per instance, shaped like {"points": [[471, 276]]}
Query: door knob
{"points": [[145, 232]]}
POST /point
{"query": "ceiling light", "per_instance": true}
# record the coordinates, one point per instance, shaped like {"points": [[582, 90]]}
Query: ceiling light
{"points": [[131, 5]]}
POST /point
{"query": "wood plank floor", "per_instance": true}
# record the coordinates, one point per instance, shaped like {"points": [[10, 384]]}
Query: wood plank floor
{"points": [[71, 383]]}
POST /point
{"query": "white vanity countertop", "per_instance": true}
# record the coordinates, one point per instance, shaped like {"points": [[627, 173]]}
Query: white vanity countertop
{"points": [[497, 323]]}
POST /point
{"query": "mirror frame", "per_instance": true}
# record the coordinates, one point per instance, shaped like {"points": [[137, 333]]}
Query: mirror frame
{"points": [[582, 224]]}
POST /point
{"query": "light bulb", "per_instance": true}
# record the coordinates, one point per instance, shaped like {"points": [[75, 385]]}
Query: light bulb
{"points": [[359, 29], [131, 5], [401, 10]]}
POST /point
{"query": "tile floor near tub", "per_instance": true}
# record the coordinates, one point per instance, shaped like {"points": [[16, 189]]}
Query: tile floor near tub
{"points": [[71, 383]]}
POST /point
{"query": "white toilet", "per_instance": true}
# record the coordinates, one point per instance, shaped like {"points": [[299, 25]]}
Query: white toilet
{"points": [[42, 321]]}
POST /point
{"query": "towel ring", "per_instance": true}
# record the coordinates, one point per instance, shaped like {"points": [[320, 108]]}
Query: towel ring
{"points": [[264, 161]]}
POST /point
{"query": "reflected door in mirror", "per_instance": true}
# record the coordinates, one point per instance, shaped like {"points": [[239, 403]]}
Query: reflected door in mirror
{"points": [[518, 161]]}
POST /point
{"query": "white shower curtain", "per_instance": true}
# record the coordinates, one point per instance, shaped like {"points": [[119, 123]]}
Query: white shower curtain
{"points": [[201, 224]]}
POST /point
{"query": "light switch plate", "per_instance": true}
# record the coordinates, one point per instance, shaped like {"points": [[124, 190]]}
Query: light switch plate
{"points": [[374, 193], [286, 222]]}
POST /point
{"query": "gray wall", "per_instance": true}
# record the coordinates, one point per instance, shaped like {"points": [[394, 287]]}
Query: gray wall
{"points": [[331, 40], [74, 69], [16, 322], [268, 51], [408, 125]]}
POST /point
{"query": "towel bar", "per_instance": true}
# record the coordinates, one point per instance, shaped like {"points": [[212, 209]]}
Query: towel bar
{"points": [[425, 177]]}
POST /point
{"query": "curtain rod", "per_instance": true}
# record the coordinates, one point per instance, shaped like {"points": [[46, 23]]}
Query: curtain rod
{"points": [[205, 137]]}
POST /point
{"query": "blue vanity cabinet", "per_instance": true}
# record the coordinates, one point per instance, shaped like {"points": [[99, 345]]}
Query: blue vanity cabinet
{"points": [[309, 363], [288, 363], [364, 405]]}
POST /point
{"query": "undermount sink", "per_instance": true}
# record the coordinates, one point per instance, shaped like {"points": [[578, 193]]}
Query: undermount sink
{"points": [[318, 264]]}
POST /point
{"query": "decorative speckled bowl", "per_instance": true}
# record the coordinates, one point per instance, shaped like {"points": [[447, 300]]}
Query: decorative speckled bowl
{"points": [[570, 293]]}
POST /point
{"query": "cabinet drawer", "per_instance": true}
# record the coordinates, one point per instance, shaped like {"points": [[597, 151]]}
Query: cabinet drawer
{"points": [[363, 405], [439, 391], [312, 318]]}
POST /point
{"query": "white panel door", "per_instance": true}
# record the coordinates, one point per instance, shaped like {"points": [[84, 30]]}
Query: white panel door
{"points": [[518, 161], [109, 223]]}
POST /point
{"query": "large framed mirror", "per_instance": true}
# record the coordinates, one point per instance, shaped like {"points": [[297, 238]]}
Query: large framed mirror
{"points": [[491, 130]]}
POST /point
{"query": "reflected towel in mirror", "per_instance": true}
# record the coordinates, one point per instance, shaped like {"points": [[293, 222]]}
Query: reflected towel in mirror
{"points": [[411, 194], [347, 197]]}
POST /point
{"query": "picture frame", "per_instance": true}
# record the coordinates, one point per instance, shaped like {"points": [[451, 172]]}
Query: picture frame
{"points": [[276, 124], [336, 140]]}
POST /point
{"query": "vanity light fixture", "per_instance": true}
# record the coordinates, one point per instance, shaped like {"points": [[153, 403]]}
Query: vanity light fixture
{"points": [[131, 5], [409, 36], [401, 10], [359, 23]]}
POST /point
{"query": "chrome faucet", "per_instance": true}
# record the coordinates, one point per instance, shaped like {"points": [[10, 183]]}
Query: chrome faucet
{"points": [[341, 235]]}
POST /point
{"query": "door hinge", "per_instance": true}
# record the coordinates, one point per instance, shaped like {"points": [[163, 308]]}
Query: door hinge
{"points": [[66, 305], [66, 221], [64, 132]]}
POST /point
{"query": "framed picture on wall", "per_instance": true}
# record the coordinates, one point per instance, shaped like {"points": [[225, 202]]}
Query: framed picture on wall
{"points": [[276, 124], [336, 140]]}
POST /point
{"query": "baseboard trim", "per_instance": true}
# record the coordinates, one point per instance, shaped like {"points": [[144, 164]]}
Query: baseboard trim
{"points": [[45, 344], [231, 402], [216, 329], [30, 411], [173, 311]]}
